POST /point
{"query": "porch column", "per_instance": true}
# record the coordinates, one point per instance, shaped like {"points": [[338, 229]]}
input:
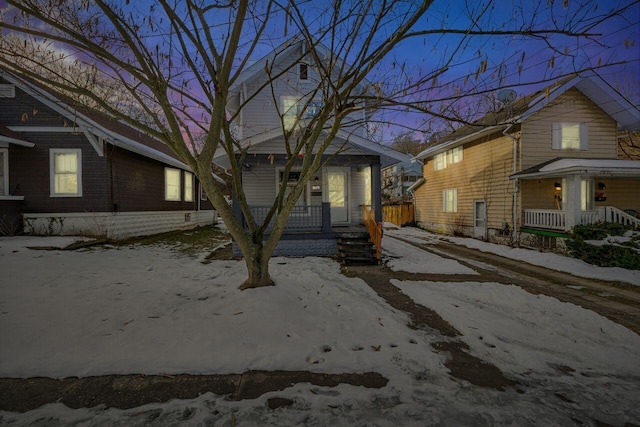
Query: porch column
{"points": [[572, 202], [376, 192]]}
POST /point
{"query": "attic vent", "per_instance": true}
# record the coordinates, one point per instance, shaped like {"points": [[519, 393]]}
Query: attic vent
{"points": [[7, 91]]}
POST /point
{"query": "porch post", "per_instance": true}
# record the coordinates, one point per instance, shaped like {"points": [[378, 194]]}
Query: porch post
{"points": [[376, 192], [326, 217], [572, 204]]}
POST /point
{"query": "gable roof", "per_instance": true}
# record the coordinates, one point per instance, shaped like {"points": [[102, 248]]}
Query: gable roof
{"points": [[294, 49], [96, 126], [599, 91]]}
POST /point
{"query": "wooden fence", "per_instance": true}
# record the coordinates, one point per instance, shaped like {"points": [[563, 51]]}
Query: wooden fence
{"points": [[398, 214]]}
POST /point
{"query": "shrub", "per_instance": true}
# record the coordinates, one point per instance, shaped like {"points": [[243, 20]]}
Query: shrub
{"points": [[625, 255]]}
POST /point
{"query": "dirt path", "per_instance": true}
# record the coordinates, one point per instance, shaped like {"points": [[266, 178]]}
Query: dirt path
{"points": [[618, 301]]}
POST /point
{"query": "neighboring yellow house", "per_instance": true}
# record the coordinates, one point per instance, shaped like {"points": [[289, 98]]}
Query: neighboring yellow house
{"points": [[533, 170]]}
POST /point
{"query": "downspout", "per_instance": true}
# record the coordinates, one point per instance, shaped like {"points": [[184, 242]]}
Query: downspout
{"points": [[515, 236]]}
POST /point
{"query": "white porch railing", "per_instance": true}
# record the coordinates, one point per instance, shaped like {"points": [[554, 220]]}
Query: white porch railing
{"points": [[612, 214], [556, 219], [544, 218]]}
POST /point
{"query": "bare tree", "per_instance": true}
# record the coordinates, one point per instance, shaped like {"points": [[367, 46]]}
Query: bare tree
{"points": [[178, 59]]}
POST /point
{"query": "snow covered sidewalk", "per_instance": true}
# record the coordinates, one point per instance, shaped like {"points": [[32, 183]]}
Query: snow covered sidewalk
{"points": [[150, 310]]}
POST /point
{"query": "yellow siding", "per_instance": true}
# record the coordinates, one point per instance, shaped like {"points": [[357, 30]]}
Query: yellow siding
{"points": [[483, 174], [572, 106], [540, 194], [622, 193]]}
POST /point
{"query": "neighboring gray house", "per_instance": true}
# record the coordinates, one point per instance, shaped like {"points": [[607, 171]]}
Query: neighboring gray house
{"points": [[335, 196], [398, 178]]}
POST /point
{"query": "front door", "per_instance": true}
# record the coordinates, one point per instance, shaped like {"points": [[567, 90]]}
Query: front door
{"points": [[480, 219], [337, 194]]}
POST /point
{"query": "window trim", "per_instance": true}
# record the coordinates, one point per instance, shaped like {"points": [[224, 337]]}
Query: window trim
{"points": [[454, 199], [5, 168], [52, 171], [166, 185], [188, 182]]}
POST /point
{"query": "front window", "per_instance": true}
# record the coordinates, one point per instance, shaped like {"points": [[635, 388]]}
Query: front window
{"points": [[188, 187], [570, 136], [4, 172], [172, 184], [450, 200], [66, 172], [587, 194], [292, 180]]}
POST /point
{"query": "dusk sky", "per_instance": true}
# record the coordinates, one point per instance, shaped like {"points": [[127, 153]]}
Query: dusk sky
{"points": [[522, 63]]}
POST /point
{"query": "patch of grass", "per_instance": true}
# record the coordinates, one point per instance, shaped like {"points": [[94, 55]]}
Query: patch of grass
{"points": [[191, 242]]}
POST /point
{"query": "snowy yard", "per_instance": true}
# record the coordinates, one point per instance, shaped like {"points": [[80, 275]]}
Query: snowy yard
{"points": [[152, 310]]}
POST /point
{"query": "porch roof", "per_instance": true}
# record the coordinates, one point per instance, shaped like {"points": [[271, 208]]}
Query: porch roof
{"points": [[8, 136], [388, 156], [590, 167]]}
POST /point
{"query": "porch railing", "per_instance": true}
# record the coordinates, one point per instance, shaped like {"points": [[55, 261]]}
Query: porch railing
{"points": [[612, 214], [302, 218], [556, 220], [544, 218], [374, 228]]}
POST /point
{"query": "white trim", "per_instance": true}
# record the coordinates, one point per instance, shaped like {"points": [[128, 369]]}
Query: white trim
{"points": [[8, 140], [188, 178], [47, 129], [52, 175], [11, 197]]}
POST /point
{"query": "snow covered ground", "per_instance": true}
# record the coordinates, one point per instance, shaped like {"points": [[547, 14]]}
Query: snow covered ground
{"points": [[151, 310]]}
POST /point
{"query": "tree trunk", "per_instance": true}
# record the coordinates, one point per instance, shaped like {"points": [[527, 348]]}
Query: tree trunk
{"points": [[258, 269]]}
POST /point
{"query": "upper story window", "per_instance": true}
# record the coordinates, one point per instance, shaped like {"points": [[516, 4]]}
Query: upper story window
{"points": [[188, 187], [303, 71], [294, 109], [454, 155], [440, 161], [4, 172], [172, 184], [449, 157], [570, 136], [289, 111], [65, 172]]}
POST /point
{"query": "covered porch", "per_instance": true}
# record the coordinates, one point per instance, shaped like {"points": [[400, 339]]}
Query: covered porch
{"points": [[562, 193]]}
